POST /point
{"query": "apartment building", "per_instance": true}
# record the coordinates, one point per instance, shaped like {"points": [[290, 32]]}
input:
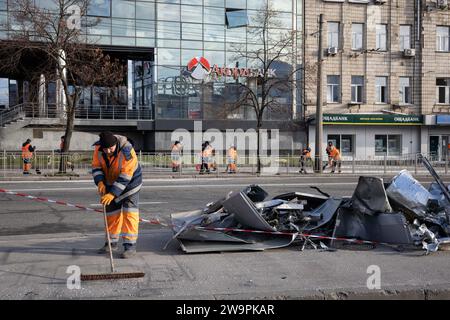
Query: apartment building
{"points": [[386, 75]]}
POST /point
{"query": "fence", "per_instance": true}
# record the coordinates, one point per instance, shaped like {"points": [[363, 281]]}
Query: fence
{"points": [[79, 163]]}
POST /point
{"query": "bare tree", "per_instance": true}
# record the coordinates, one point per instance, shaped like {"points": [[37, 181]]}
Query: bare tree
{"points": [[272, 48], [54, 37]]}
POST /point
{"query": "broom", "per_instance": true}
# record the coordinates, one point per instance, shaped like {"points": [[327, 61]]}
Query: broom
{"points": [[113, 274]]}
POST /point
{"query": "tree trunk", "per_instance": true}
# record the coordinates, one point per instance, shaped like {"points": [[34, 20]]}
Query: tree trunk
{"points": [[258, 146], [70, 123]]}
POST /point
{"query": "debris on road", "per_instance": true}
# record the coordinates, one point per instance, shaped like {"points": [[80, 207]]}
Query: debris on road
{"points": [[401, 214]]}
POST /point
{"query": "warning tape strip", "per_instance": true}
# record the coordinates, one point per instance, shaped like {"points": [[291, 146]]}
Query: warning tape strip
{"points": [[41, 199], [157, 222]]}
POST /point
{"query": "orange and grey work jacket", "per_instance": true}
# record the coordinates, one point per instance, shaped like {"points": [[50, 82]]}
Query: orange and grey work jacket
{"points": [[120, 172], [27, 151], [335, 154]]}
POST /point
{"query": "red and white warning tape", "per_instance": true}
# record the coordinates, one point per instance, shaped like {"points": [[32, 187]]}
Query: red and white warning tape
{"points": [[158, 222], [41, 199]]}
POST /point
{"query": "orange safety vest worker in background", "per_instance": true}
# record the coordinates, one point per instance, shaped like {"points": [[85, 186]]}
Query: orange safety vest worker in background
{"points": [[231, 159], [27, 156], [117, 173], [335, 155], [175, 156]]}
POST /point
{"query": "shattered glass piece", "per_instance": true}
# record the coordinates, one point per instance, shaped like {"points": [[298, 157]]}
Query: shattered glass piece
{"points": [[245, 212], [407, 192], [370, 196]]}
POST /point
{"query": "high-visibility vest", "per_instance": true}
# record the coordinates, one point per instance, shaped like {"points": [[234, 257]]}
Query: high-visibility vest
{"points": [[232, 155], [26, 153], [335, 154], [120, 172]]}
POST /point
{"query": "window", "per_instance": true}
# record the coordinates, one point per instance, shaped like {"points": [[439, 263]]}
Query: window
{"points": [[443, 90], [3, 5], [191, 31], [123, 9], [145, 10], [333, 89], [4, 93], [404, 91], [236, 18], [357, 36], [169, 12], [389, 145], [191, 14], [442, 38], [344, 142], [357, 89], [405, 37], [381, 89], [333, 34], [100, 8], [381, 37]]}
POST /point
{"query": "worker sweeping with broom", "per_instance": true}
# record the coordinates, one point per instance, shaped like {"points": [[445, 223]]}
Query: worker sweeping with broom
{"points": [[118, 176]]}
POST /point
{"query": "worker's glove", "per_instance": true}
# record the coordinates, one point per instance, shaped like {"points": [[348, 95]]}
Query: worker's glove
{"points": [[101, 188], [107, 199]]}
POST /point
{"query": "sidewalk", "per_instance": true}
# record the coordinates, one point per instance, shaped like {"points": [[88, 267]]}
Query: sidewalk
{"points": [[34, 267], [193, 175]]}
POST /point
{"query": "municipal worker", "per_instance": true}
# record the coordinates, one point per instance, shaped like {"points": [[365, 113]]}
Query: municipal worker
{"points": [[206, 154], [231, 159], [305, 156], [27, 156], [327, 150], [175, 156], [335, 155], [118, 176]]}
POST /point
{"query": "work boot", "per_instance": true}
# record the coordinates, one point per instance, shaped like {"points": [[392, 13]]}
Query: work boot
{"points": [[105, 248], [129, 251]]}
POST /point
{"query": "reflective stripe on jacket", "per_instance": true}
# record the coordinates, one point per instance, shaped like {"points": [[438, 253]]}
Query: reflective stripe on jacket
{"points": [[121, 172]]}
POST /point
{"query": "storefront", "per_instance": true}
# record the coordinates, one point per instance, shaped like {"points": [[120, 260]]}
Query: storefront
{"points": [[438, 135], [371, 136]]}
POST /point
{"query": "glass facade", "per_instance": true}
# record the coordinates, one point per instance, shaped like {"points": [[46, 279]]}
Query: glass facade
{"points": [[177, 31]]}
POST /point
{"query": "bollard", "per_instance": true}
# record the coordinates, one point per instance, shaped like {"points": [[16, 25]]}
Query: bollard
{"points": [[4, 163], [353, 163], [446, 164], [53, 162], [385, 162], [288, 163], [415, 164]]}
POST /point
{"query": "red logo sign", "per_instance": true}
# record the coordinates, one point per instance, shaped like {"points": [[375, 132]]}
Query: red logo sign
{"points": [[199, 68]]}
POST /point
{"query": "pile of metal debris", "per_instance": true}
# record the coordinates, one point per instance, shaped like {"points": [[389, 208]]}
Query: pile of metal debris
{"points": [[401, 213]]}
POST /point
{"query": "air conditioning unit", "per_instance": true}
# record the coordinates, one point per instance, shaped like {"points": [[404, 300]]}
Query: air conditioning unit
{"points": [[332, 51], [379, 1], [409, 52], [442, 4]]}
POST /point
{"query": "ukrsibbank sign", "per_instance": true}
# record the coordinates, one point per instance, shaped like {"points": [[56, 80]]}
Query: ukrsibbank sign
{"points": [[372, 119], [200, 69]]}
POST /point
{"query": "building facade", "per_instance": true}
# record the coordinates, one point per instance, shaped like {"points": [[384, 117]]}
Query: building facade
{"points": [[385, 75], [185, 61]]}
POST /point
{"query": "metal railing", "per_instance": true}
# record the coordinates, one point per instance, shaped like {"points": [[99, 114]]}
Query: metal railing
{"points": [[161, 163], [52, 111]]}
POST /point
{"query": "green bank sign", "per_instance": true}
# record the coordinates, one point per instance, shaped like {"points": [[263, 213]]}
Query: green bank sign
{"points": [[373, 119]]}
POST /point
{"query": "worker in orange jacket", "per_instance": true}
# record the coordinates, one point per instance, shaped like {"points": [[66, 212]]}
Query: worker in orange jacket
{"points": [[335, 155], [231, 159], [118, 176], [175, 156], [27, 156]]}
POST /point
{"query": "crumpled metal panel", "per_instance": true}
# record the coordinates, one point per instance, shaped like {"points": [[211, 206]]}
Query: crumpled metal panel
{"points": [[327, 211], [388, 228], [312, 200], [245, 212], [370, 196], [260, 243], [407, 192]]}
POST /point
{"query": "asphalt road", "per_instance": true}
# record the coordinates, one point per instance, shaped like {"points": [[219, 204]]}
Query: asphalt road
{"points": [[158, 198]]}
